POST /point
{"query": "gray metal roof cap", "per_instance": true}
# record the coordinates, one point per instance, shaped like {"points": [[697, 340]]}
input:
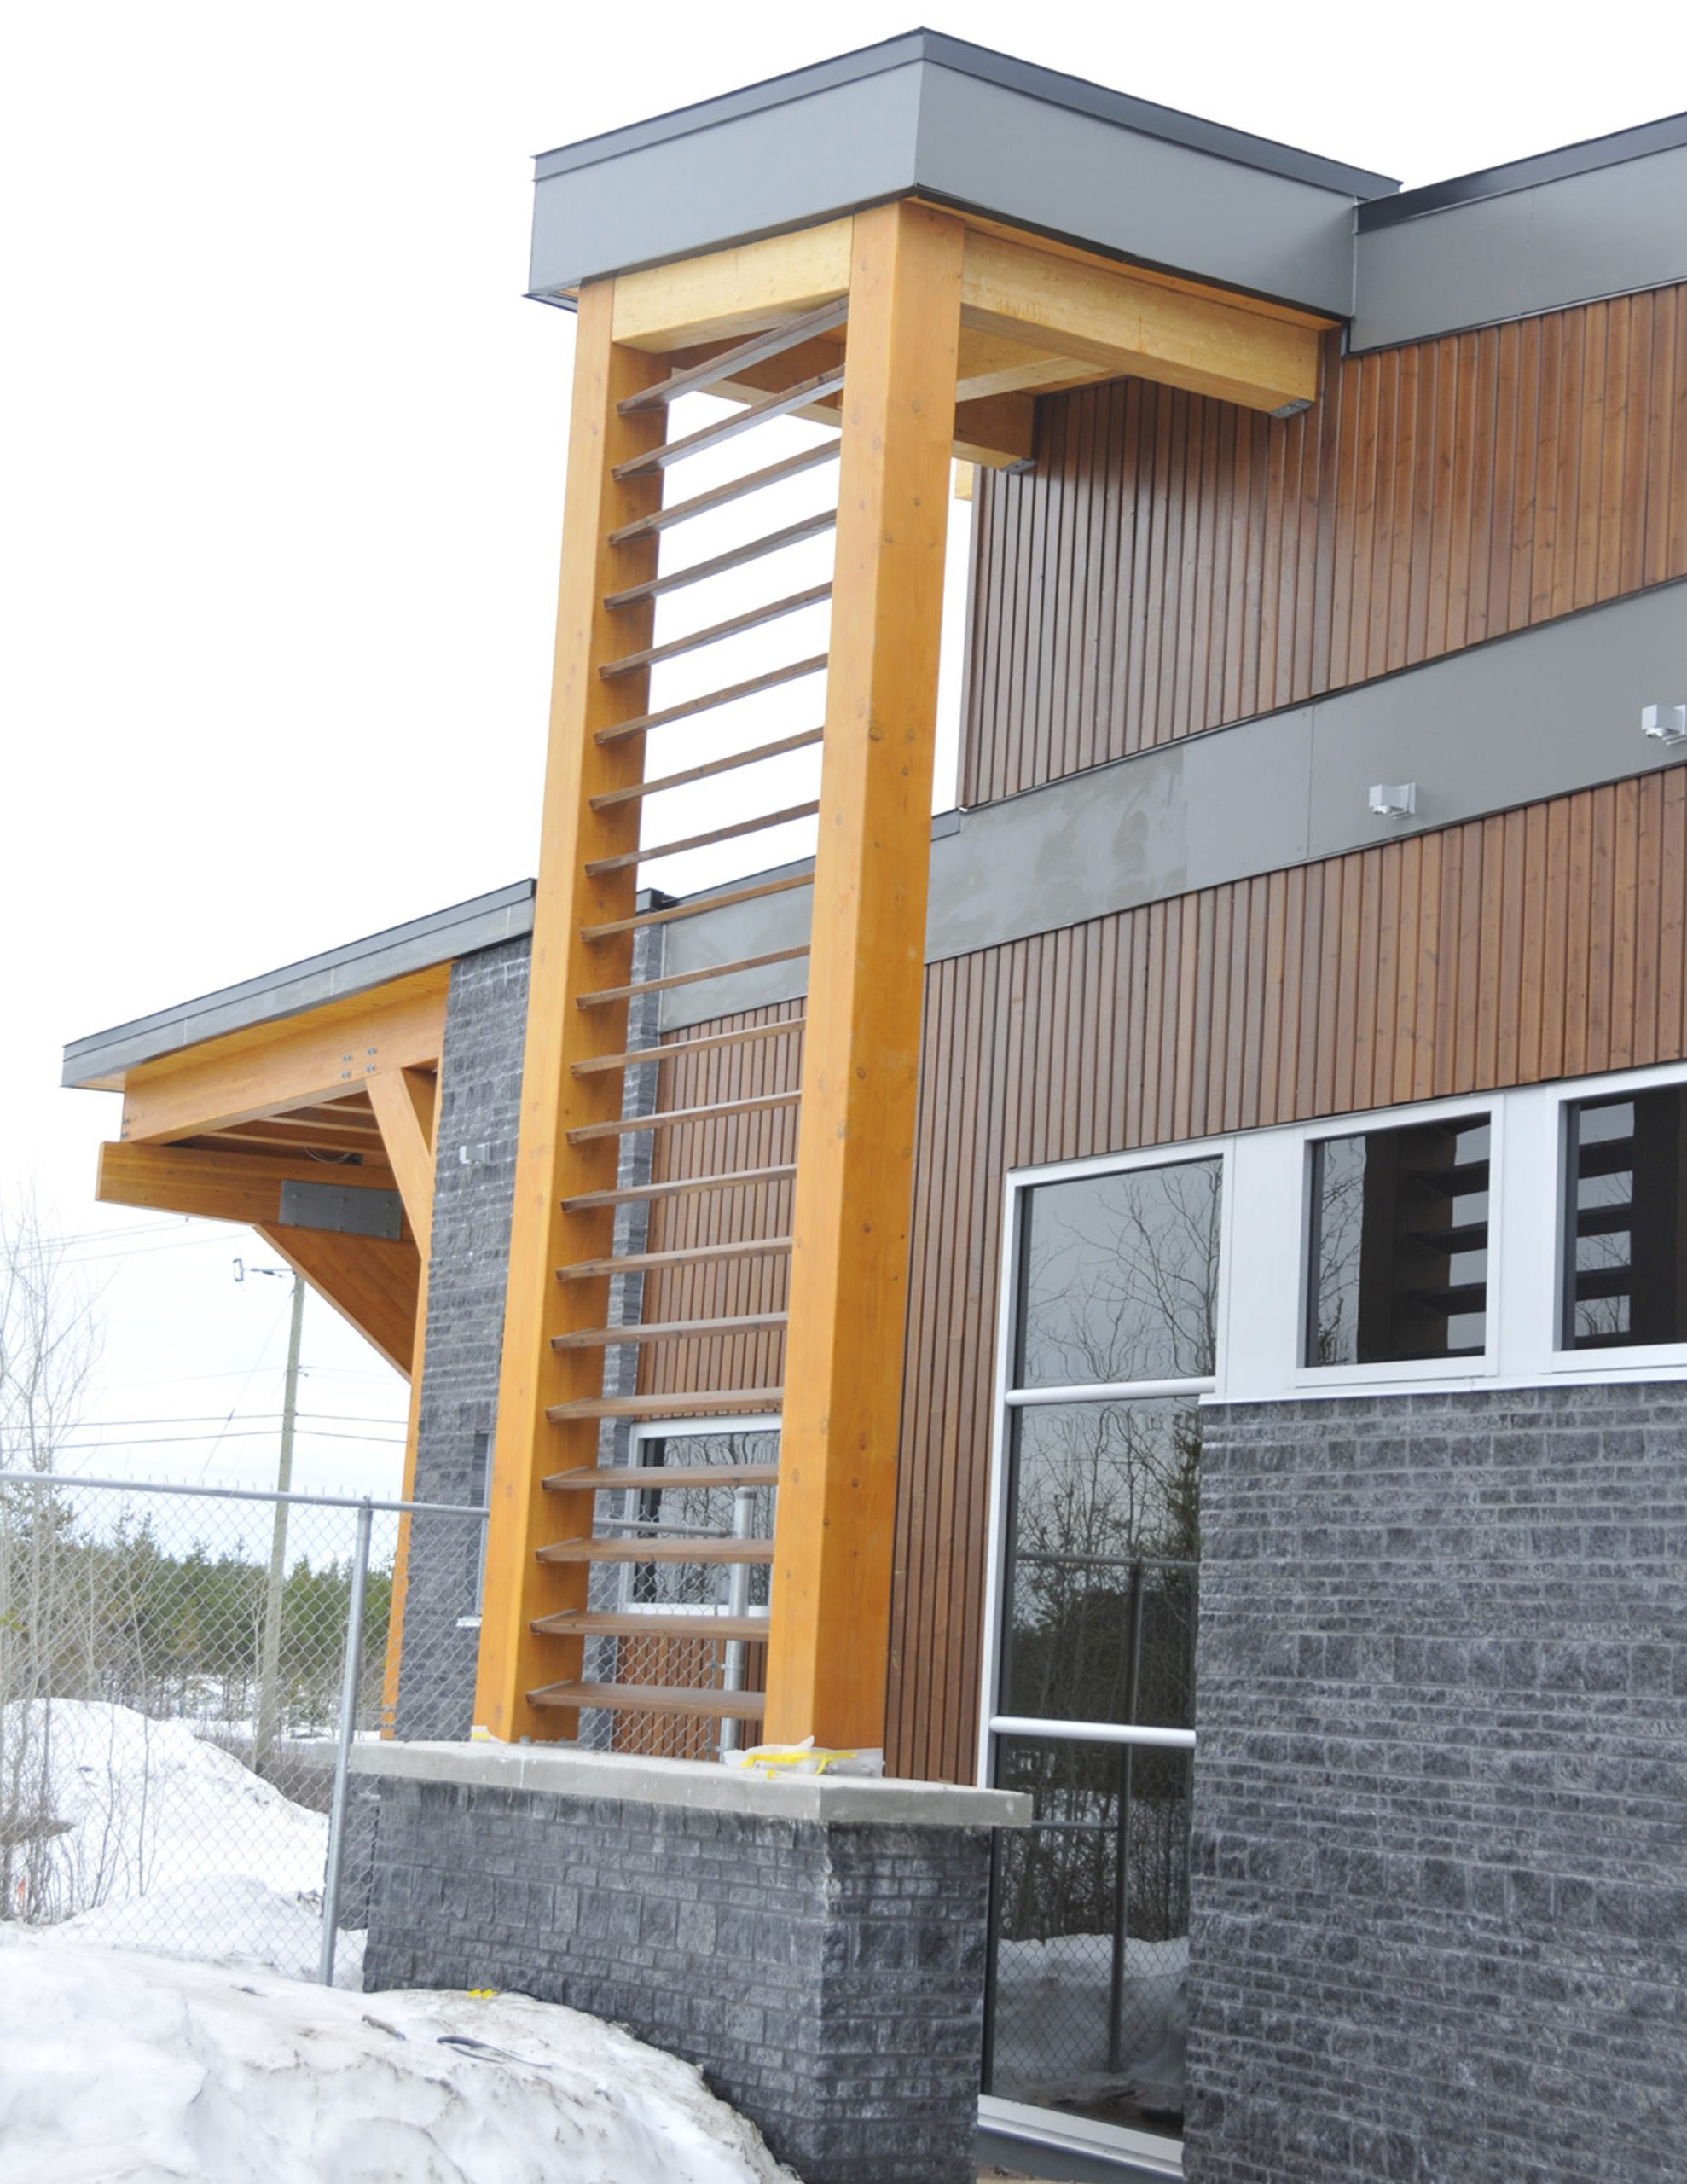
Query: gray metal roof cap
{"points": [[964, 126], [354, 967]]}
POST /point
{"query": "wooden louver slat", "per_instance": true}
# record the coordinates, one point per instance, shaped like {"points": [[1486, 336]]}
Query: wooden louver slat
{"points": [[745, 419], [687, 1255], [753, 1103], [752, 619], [665, 1331], [739, 827], [656, 784], [677, 1049], [697, 906], [720, 496], [759, 349], [603, 995], [775, 542], [676, 1186], [654, 1699], [752, 687]]}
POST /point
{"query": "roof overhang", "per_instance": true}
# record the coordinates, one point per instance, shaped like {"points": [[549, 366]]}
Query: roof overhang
{"points": [[924, 114]]}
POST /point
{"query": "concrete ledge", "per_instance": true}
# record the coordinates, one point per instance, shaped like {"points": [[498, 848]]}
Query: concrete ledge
{"points": [[701, 1786]]}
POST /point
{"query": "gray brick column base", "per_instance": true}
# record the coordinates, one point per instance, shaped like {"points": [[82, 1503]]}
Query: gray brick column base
{"points": [[816, 1947]]}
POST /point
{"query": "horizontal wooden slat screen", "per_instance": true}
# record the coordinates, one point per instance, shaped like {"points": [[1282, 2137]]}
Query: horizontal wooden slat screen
{"points": [[1545, 942], [1172, 563]]}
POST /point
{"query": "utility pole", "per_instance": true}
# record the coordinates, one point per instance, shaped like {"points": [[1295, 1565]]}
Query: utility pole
{"points": [[269, 1654]]}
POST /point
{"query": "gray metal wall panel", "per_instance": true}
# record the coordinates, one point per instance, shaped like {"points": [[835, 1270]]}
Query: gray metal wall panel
{"points": [[1536, 715], [1038, 166], [782, 167], [1607, 233]]}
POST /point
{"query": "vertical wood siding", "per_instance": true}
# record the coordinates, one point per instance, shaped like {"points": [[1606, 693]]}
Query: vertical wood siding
{"points": [[1545, 942], [1172, 563]]}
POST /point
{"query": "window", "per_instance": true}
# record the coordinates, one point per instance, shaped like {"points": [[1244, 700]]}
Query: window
{"points": [[1625, 1166], [1113, 1296], [1399, 1244], [699, 1508]]}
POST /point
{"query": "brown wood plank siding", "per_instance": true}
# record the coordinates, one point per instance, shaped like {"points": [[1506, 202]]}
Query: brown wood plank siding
{"points": [[1173, 563], [1540, 943]]}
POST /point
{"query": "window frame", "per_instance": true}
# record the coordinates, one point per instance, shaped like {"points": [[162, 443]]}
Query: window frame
{"points": [[1479, 1107], [1006, 1400], [646, 1430], [1653, 1360]]}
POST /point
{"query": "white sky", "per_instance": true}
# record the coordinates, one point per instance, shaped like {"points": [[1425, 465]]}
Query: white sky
{"points": [[283, 458]]}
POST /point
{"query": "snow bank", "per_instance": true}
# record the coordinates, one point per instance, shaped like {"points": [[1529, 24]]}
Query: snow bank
{"points": [[167, 1842], [119, 2069]]}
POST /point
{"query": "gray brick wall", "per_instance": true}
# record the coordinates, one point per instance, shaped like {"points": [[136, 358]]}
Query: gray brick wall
{"points": [[828, 1979], [1440, 1880], [480, 1076], [480, 1093]]}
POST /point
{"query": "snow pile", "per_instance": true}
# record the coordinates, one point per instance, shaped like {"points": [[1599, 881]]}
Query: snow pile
{"points": [[120, 2069], [164, 1841], [1053, 2012]]}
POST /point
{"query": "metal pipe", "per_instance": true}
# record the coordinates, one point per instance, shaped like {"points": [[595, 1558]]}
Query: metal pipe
{"points": [[738, 1603], [342, 1758], [60, 1479], [1016, 1725]]}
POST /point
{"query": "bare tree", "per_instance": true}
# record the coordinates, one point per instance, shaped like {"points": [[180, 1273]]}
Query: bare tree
{"points": [[49, 1344]]}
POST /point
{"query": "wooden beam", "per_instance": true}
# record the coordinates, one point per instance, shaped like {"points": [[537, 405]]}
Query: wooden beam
{"points": [[1125, 325], [374, 1284], [404, 1101], [218, 1185], [998, 432], [369, 1280], [829, 1635], [321, 1054], [728, 293], [555, 1097], [995, 421], [412, 1099]]}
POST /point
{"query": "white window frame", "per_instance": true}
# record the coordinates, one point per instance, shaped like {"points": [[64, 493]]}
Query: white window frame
{"points": [[1405, 1371], [1266, 1210], [675, 1429], [1653, 1360], [1008, 1399]]}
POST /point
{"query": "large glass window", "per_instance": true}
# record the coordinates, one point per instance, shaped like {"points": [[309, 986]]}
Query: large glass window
{"points": [[1114, 1339], [1399, 1240], [1624, 1279]]}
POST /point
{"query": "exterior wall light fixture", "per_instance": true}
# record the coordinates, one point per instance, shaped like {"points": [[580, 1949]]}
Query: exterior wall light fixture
{"points": [[1393, 799], [1668, 722]]}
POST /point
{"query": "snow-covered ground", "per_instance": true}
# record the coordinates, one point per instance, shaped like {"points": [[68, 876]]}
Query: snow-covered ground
{"points": [[167, 1842], [126, 2069], [1053, 2003]]}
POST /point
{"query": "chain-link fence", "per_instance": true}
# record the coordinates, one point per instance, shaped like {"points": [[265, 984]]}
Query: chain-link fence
{"points": [[182, 1672]]}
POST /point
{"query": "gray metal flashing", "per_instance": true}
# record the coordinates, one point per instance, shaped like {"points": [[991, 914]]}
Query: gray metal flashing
{"points": [[932, 115], [1592, 153], [1074, 94], [417, 945], [1614, 229], [1538, 713]]}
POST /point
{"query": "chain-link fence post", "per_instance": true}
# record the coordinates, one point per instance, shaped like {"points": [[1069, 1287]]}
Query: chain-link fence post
{"points": [[348, 1730]]}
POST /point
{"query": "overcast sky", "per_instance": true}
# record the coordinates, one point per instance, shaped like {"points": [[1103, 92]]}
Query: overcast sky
{"points": [[282, 487]]}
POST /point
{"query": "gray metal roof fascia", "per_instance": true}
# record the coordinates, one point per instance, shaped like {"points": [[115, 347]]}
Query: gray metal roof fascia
{"points": [[1052, 85], [439, 937], [1592, 153]]}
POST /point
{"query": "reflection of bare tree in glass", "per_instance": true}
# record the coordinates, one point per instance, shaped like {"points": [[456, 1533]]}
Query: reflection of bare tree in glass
{"points": [[700, 1510], [1120, 1277], [1602, 1319], [1338, 1209]]}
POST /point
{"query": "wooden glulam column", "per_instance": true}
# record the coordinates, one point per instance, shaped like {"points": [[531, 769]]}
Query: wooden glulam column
{"points": [[554, 1100], [828, 1643]]}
